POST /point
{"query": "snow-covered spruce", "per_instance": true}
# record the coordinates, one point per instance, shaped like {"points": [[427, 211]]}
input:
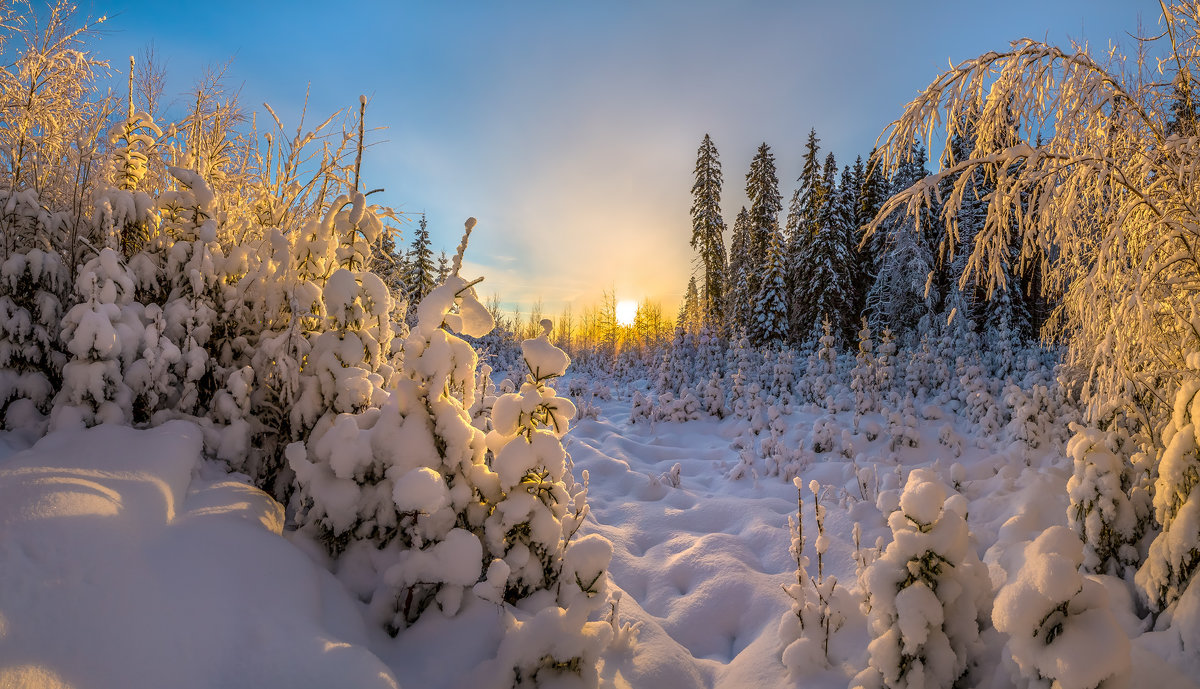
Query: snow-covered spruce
{"points": [[101, 333], [32, 286], [396, 493], [1101, 513], [1062, 633], [532, 531], [422, 508], [928, 593], [862, 379], [1174, 556]]}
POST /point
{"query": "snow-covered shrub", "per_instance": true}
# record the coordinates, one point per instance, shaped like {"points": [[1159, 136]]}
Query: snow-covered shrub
{"points": [[684, 407], [641, 409], [532, 528], [885, 364], [32, 287], [822, 367], [1101, 513], [397, 492], [420, 507], [712, 398], [1174, 554], [710, 353], [951, 440], [823, 433], [902, 425], [741, 370], [1062, 633], [979, 405], [124, 215], [862, 376], [928, 592], [676, 371], [533, 524], [782, 380], [919, 370], [194, 266], [101, 333]]}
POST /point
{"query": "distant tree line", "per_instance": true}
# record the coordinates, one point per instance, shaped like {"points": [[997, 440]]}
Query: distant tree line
{"points": [[786, 273]]}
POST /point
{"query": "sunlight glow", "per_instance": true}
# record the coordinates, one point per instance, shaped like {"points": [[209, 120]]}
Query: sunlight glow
{"points": [[626, 312]]}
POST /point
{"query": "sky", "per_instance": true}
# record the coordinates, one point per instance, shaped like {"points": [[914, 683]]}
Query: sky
{"points": [[570, 129]]}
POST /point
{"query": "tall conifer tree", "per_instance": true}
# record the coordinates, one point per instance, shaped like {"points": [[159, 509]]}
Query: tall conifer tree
{"points": [[762, 188], [420, 265], [768, 322], [708, 230], [738, 294]]}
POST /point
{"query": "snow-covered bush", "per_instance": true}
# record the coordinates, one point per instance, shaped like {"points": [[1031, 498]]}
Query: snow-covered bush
{"points": [[712, 398], [1174, 554], [396, 493], [822, 367], [1101, 513], [101, 333], [32, 287], [862, 376], [928, 593], [903, 426], [1062, 633], [641, 409], [421, 508]]}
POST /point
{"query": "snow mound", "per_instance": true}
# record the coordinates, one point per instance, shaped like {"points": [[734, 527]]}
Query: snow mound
{"points": [[125, 566]]}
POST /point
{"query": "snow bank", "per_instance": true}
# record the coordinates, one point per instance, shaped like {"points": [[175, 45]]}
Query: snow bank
{"points": [[127, 562]]}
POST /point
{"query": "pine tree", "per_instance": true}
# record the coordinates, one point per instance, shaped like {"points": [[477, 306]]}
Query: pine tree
{"points": [[864, 197], [762, 188], [827, 270], [1184, 117], [420, 276], [708, 231], [738, 297], [803, 225], [899, 297], [691, 311], [769, 319], [443, 267]]}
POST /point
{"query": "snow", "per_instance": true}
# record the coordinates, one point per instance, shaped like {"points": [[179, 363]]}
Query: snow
{"points": [[130, 561]]}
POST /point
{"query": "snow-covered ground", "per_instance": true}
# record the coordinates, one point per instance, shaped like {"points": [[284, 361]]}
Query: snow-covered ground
{"points": [[126, 560]]}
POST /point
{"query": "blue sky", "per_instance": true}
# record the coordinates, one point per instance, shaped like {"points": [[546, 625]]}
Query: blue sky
{"points": [[570, 128]]}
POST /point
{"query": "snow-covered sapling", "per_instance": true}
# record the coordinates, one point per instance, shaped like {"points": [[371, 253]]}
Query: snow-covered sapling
{"points": [[1175, 553], [1061, 629], [928, 593], [805, 631], [1100, 512]]}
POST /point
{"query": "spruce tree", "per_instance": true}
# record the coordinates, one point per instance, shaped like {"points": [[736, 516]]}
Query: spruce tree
{"points": [[823, 289], [876, 188], [443, 267], [898, 298], [739, 296], [690, 312], [862, 210], [803, 224], [768, 323], [420, 265], [762, 188], [708, 231]]}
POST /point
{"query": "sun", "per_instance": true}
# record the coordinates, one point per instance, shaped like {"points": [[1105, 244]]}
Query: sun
{"points": [[626, 312]]}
